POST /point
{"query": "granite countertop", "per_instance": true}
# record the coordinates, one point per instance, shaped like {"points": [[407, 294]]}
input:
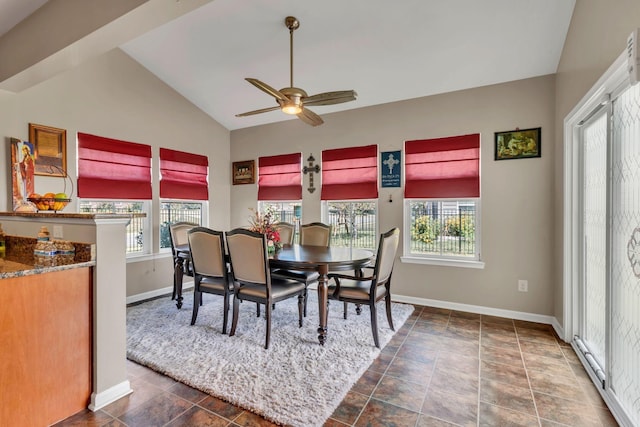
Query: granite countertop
{"points": [[10, 269]]}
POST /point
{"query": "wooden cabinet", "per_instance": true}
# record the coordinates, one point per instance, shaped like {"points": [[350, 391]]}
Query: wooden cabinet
{"points": [[45, 346]]}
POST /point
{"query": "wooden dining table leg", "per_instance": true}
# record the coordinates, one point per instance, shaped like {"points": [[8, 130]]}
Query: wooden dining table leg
{"points": [[323, 270]]}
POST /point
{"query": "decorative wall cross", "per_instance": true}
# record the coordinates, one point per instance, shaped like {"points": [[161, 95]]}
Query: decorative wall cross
{"points": [[311, 169]]}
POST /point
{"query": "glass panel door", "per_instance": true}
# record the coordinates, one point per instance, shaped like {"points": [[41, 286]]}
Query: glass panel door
{"points": [[624, 367], [594, 238]]}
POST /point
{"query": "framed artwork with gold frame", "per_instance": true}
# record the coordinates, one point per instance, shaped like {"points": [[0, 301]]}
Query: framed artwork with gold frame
{"points": [[50, 146], [244, 172]]}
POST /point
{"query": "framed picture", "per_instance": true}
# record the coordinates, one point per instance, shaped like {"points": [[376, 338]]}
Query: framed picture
{"points": [[50, 145], [518, 144], [22, 170], [243, 172]]}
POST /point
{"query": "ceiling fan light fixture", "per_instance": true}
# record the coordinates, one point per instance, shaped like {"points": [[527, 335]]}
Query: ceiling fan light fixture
{"points": [[291, 109]]}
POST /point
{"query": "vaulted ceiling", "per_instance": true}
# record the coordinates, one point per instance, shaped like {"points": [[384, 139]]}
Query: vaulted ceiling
{"points": [[386, 51]]}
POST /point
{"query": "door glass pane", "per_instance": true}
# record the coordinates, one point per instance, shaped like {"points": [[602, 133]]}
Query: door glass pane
{"points": [[625, 257], [594, 236]]}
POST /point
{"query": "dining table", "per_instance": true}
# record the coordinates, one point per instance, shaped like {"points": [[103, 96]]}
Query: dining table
{"points": [[301, 257], [321, 259]]}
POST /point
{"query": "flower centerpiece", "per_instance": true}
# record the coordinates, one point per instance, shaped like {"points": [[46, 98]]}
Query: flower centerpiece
{"points": [[265, 224]]}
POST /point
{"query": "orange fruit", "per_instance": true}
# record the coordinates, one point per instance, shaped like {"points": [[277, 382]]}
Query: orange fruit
{"points": [[49, 195]]}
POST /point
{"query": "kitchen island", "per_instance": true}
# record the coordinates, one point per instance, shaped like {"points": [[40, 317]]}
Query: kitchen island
{"points": [[45, 337], [106, 236]]}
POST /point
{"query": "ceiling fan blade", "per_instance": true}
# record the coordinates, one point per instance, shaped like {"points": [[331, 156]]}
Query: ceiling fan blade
{"points": [[263, 110], [268, 89], [329, 98], [310, 118]]}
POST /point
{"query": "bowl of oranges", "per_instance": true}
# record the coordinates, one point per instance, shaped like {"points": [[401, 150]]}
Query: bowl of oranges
{"points": [[50, 201]]}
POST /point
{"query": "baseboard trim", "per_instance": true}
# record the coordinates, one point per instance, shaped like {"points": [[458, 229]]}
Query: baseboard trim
{"points": [[498, 312], [157, 293], [478, 309], [102, 399]]}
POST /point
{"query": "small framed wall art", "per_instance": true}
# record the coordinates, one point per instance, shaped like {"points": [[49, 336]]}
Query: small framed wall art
{"points": [[243, 172], [518, 144], [50, 145]]}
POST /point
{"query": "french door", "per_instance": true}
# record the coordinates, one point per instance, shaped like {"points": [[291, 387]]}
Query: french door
{"points": [[607, 334]]}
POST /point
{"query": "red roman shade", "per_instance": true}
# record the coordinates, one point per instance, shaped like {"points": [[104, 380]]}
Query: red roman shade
{"points": [[113, 169], [443, 167], [280, 177], [183, 175], [350, 173]]}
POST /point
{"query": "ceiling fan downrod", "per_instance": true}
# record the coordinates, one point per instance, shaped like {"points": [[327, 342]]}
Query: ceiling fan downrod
{"points": [[292, 24]]}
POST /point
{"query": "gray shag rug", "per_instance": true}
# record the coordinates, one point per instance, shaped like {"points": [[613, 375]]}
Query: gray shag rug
{"points": [[295, 382]]}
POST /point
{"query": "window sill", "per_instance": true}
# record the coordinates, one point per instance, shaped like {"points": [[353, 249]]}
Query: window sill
{"points": [[442, 262]]}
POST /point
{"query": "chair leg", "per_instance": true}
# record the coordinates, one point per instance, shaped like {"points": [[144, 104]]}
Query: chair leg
{"points": [[257, 309], [234, 322], [267, 313], [197, 297], [345, 311], [305, 301], [225, 316], [387, 302], [374, 324], [301, 301]]}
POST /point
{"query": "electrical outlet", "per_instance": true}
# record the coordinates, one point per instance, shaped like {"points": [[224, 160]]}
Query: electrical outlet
{"points": [[523, 286], [57, 232]]}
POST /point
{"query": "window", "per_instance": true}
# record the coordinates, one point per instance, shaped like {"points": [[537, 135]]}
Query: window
{"points": [[137, 241], [353, 223], [442, 199], [184, 178], [349, 193], [172, 211], [280, 187], [115, 177]]}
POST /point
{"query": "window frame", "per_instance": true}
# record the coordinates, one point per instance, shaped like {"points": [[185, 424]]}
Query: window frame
{"points": [[147, 238], [444, 260], [204, 217], [376, 231]]}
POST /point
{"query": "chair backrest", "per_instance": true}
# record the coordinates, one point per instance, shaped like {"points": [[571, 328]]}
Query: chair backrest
{"points": [[248, 256], [387, 249], [178, 234], [286, 231], [207, 252], [315, 233]]}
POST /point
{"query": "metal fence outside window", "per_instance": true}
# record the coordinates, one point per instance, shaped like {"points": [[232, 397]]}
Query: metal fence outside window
{"points": [[135, 226], [436, 230], [353, 224], [172, 212]]}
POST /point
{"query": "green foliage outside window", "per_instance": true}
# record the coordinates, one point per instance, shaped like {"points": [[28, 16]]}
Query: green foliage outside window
{"points": [[425, 229]]}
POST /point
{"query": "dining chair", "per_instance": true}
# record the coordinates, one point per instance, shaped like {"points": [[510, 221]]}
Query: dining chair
{"points": [[287, 232], [369, 290], [181, 261], [252, 278], [209, 265], [315, 233]]}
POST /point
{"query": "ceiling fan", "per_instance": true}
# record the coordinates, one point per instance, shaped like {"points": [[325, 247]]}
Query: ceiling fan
{"points": [[293, 100]]}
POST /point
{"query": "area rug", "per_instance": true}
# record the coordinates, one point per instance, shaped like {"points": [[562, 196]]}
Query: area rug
{"points": [[295, 382]]}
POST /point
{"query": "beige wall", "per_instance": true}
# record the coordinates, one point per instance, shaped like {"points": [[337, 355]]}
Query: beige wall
{"points": [[114, 96], [597, 36], [517, 195]]}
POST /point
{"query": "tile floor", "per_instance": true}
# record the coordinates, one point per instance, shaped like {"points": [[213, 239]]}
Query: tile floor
{"points": [[442, 368]]}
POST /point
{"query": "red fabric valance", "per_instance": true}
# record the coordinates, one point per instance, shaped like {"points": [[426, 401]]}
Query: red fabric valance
{"points": [[113, 169], [183, 175], [280, 177], [443, 167], [350, 173]]}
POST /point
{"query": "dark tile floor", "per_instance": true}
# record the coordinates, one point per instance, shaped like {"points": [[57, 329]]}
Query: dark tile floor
{"points": [[442, 368]]}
